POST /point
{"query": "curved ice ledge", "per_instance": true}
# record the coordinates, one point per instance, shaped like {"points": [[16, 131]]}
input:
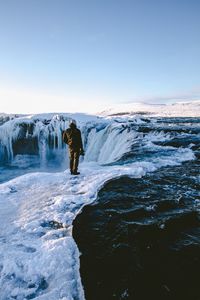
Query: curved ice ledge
{"points": [[39, 258]]}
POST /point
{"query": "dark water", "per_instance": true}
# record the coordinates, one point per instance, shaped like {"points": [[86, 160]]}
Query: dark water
{"points": [[141, 238]]}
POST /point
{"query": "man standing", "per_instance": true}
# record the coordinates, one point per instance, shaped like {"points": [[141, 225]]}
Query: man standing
{"points": [[72, 137]]}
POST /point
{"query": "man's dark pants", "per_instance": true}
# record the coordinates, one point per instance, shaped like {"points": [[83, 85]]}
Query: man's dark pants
{"points": [[73, 159]]}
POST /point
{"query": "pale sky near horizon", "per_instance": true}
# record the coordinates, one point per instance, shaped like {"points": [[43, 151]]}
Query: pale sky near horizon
{"points": [[86, 55]]}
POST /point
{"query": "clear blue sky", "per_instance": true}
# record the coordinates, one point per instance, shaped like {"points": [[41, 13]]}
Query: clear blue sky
{"points": [[83, 55]]}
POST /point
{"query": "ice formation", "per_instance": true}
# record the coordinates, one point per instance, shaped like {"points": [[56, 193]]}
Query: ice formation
{"points": [[36, 135]]}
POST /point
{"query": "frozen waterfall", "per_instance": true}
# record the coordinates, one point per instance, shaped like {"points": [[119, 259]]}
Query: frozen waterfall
{"points": [[105, 141]]}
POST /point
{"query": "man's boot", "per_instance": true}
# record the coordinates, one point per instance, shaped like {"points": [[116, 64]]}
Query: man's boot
{"points": [[76, 173]]}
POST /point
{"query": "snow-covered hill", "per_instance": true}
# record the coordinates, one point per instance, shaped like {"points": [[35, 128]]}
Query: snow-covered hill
{"points": [[180, 109]]}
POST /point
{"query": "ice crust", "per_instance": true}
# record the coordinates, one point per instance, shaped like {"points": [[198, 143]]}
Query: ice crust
{"points": [[38, 256]]}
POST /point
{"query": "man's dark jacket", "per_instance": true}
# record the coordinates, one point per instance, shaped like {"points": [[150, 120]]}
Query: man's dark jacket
{"points": [[72, 137]]}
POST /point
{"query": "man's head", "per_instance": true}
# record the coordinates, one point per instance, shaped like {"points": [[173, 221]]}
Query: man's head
{"points": [[72, 123]]}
